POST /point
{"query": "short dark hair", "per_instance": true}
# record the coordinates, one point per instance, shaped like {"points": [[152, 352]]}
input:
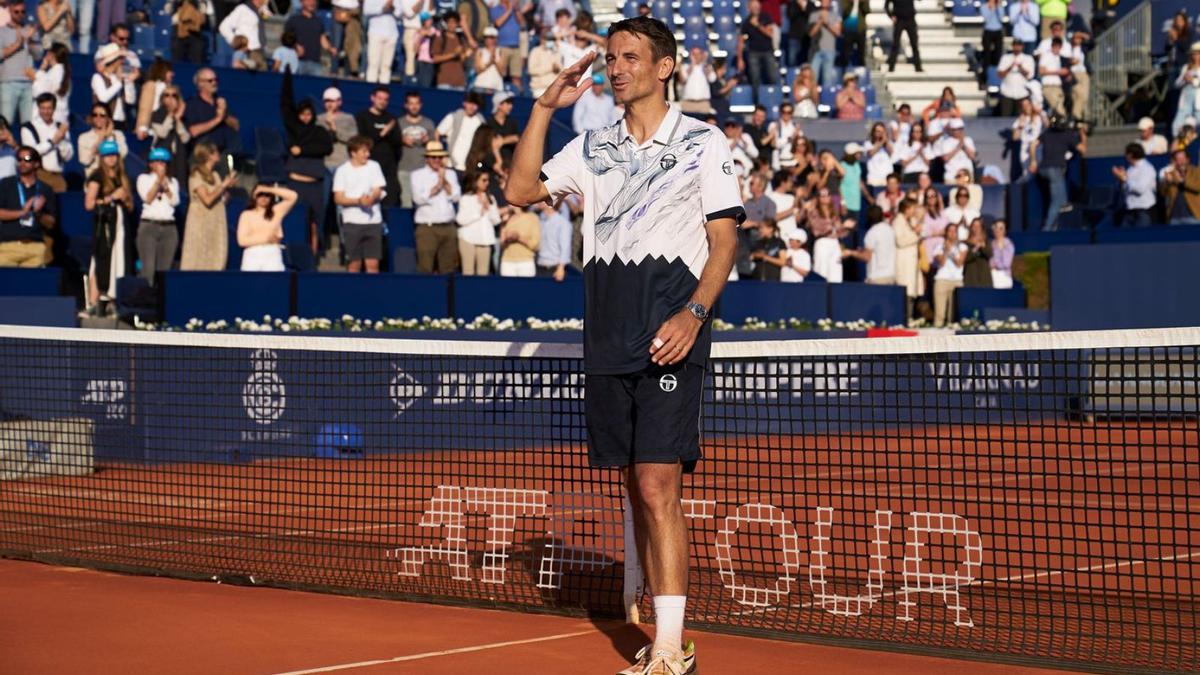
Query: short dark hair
{"points": [[473, 97], [46, 98], [563, 11], [37, 156], [1056, 42], [874, 214], [381, 88], [118, 26], [1135, 150], [662, 40], [760, 107], [451, 14], [412, 93], [779, 179], [359, 142], [288, 39]]}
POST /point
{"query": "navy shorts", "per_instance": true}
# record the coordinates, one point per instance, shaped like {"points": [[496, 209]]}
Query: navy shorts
{"points": [[652, 416]]}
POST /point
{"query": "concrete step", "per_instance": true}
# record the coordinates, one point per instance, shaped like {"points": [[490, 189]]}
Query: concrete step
{"points": [[924, 20], [905, 76], [932, 88]]}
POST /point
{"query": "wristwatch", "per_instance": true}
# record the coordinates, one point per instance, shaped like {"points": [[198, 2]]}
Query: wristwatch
{"points": [[697, 310]]}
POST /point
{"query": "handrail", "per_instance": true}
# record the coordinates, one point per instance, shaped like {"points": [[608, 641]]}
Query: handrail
{"points": [[1121, 51]]}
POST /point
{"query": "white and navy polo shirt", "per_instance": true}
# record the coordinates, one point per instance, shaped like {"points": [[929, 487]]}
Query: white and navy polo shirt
{"points": [[644, 241]]}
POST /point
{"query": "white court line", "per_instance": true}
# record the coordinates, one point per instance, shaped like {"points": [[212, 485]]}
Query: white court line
{"points": [[447, 652]]}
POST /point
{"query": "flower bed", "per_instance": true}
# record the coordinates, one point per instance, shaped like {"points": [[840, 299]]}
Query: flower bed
{"points": [[489, 323]]}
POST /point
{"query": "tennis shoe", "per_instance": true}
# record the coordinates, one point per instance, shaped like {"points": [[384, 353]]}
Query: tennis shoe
{"points": [[649, 662]]}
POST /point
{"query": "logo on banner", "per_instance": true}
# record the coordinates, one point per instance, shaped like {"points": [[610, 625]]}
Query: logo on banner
{"points": [[404, 391], [668, 383], [264, 395]]}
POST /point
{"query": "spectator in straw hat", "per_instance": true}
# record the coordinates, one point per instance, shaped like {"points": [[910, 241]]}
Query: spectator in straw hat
{"points": [[435, 192], [851, 102]]}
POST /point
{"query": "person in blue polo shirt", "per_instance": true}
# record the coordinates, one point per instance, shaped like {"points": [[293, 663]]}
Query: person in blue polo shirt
{"points": [[28, 211]]}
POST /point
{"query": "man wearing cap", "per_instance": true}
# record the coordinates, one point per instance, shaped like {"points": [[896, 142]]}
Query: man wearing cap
{"points": [[28, 212], [956, 150], [311, 37], [52, 140], [458, 129], [879, 249], [157, 235], [503, 125], [415, 131], [661, 207], [16, 62], [595, 109], [341, 126], [435, 191], [1152, 143], [379, 125], [1016, 69], [358, 187]]}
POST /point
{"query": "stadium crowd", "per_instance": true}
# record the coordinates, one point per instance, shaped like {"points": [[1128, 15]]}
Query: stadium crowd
{"points": [[901, 207]]}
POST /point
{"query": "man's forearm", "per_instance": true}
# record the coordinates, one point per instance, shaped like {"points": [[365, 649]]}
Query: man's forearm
{"points": [[524, 177], [722, 248]]}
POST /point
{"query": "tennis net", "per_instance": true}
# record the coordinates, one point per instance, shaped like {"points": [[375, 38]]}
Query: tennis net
{"points": [[1031, 498]]}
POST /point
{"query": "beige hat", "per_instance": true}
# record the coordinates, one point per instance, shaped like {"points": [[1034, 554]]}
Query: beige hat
{"points": [[1145, 123], [108, 53], [853, 148], [435, 149]]}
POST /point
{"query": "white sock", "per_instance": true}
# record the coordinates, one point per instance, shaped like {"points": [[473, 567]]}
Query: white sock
{"points": [[668, 622]]}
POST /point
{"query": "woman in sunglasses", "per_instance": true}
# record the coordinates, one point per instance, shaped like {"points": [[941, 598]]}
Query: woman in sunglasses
{"points": [[168, 131], [108, 195], [102, 130]]}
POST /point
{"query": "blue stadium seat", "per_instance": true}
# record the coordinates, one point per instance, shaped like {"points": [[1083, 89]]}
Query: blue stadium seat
{"points": [[30, 281], [695, 25], [630, 9], [723, 8], [727, 34], [142, 38], [695, 39], [828, 99], [691, 8], [869, 94], [995, 201], [873, 113], [770, 96], [741, 99], [993, 80], [965, 13], [661, 10]]}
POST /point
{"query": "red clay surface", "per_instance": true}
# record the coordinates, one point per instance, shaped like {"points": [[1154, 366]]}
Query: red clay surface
{"points": [[71, 620], [1088, 535]]}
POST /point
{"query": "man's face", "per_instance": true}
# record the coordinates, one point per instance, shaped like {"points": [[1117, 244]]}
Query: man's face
{"points": [[333, 105], [412, 105], [17, 12], [451, 24], [360, 155], [755, 6], [470, 107], [27, 163], [1181, 159], [633, 70], [207, 81], [46, 110], [756, 185], [1056, 30], [120, 37], [305, 116], [434, 163], [309, 6], [893, 185], [505, 107], [732, 131], [1018, 48], [1147, 133], [905, 111], [697, 55], [786, 112], [1055, 48], [760, 116], [379, 100]]}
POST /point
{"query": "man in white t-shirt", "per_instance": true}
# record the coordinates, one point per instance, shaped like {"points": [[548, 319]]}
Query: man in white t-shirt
{"points": [[799, 262], [695, 78], [1054, 71], [358, 187], [949, 257], [459, 127], [879, 249], [957, 150], [1015, 69], [783, 194]]}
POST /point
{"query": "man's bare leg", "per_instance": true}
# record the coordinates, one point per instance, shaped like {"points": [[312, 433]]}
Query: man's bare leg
{"points": [[655, 493]]}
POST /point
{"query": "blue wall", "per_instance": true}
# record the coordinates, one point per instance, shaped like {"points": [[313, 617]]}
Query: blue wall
{"points": [[1125, 286]]}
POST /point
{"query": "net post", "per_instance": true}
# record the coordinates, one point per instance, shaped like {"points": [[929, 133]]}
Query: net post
{"points": [[632, 590]]}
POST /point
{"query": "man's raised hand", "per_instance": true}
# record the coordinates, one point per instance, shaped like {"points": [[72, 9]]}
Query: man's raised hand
{"points": [[566, 89]]}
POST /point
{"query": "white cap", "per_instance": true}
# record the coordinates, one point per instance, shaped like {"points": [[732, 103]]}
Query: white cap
{"points": [[853, 148], [798, 235], [332, 94], [1189, 122], [490, 31], [1145, 123], [500, 97], [957, 123]]}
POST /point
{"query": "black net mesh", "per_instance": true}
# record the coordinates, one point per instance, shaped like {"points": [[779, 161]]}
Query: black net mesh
{"points": [[1031, 498]]}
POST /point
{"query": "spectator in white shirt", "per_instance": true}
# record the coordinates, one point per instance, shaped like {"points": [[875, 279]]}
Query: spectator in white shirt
{"points": [[358, 189], [695, 78], [112, 86], [53, 76], [879, 149], [949, 257], [782, 193], [157, 235], [899, 127], [435, 191], [52, 140], [595, 109], [1016, 69], [1138, 184], [1056, 31], [410, 11], [782, 133], [102, 130], [741, 146], [382, 35], [879, 249], [459, 127], [1152, 143], [478, 216], [799, 262], [957, 150], [1081, 81], [244, 21], [1053, 67], [1026, 129], [913, 156]]}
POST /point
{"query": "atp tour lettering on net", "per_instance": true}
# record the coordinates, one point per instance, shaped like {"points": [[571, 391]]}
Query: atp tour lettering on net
{"points": [[449, 506]]}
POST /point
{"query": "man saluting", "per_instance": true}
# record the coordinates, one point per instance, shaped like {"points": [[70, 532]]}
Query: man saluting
{"points": [[661, 208]]}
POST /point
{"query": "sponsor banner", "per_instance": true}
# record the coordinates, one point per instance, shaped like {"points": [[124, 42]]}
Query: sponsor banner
{"points": [[36, 448]]}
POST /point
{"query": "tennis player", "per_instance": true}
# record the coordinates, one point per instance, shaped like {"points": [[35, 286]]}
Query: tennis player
{"points": [[661, 210]]}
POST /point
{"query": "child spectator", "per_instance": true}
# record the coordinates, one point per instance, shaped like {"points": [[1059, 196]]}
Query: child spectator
{"points": [[285, 58]]}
